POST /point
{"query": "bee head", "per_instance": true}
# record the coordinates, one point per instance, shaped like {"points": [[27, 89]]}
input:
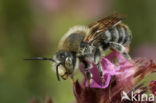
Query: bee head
{"points": [[66, 63]]}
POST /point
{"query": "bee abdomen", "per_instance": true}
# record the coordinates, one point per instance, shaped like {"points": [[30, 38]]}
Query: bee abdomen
{"points": [[128, 35], [115, 36], [120, 34]]}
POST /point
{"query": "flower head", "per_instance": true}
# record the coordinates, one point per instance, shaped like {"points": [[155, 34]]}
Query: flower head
{"points": [[120, 75], [152, 87]]}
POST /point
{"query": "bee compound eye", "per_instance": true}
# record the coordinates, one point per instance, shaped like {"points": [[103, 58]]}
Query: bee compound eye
{"points": [[68, 59], [69, 63]]}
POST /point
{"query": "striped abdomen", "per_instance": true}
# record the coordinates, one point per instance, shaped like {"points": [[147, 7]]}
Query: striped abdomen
{"points": [[119, 34]]}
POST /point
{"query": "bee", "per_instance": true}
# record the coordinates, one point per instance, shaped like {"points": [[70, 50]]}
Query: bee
{"points": [[107, 33], [84, 44]]}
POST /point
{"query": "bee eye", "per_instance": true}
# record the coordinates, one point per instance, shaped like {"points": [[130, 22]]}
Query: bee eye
{"points": [[69, 63], [69, 60]]}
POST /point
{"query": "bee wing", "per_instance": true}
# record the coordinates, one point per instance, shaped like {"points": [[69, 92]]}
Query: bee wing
{"points": [[102, 25]]}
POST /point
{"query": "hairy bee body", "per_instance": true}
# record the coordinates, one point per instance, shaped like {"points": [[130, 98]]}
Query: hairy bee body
{"points": [[120, 34], [85, 44], [118, 37], [72, 39], [69, 47]]}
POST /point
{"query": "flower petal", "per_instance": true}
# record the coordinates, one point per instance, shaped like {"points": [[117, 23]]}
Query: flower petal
{"points": [[109, 71], [152, 87]]}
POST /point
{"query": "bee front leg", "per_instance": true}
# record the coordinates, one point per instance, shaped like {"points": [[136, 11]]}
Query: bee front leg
{"points": [[89, 75], [72, 79], [120, 48]]}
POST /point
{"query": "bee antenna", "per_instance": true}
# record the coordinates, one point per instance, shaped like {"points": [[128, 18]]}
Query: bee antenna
{"points": [[41, 58], [57, 74]]}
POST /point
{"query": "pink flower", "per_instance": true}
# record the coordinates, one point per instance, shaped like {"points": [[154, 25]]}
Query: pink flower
{"points": [[120, 75], [152, 87], [96, 81], [99, 95], [123, 70]]}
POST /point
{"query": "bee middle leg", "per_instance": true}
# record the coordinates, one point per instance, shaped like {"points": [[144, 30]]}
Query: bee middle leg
{"points": [[97, 60], [87, 66], [120, 48]]}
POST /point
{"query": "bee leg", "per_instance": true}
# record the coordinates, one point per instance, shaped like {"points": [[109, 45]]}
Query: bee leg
{"points": [[120, 48], [86, 70], [101, 73], [97, 60], [88, 74], [127, 56], [72, 79]]}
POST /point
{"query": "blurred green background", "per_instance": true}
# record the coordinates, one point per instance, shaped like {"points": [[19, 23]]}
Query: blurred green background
{"points": [[30, 28]]}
